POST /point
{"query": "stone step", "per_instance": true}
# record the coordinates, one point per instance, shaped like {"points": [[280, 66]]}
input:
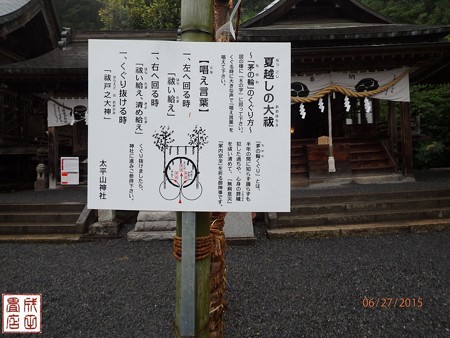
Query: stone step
{"points": [[378, 170], [361, 217], [362, 229], [38, 217], [39, 207], [41, 238], [40, 228], [358, 206], [298, 199]]}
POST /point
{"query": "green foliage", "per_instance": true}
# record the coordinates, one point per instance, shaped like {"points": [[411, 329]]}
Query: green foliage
{"points": [[79, 14], [140, 14], [163, 14], [430, 155], [252, 7], [434, 12], [432, 105]]}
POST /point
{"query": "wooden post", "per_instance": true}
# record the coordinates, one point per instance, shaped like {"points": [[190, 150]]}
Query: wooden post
{"points": [[2, 113], [221, 10], [53, 157], [392, 131], [407, 156], [197, 19], [202, 274]]}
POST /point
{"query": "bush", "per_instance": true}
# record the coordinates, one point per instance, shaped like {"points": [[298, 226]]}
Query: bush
{"points": [[432, 104], [431, 155]]}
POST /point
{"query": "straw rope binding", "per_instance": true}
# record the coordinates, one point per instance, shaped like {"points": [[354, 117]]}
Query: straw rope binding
{"points": [[346, 91], [203, 247], [218, 276]]}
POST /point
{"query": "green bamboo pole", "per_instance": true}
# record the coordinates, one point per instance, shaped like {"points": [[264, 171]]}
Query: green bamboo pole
{"points": [[202, 284], [197, 19]]}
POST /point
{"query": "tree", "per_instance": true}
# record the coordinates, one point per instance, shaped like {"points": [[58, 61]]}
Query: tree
{"points": [[140, 14], [432, 105], [252, 7], [434, 12], [163, 14], [79, 14]]}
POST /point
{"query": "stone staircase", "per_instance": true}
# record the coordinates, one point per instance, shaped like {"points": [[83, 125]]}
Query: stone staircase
{"points": [[363, 213], [43, 219]]}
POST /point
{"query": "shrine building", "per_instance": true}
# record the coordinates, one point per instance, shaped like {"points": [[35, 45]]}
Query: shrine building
{"points": [[351, 73]]}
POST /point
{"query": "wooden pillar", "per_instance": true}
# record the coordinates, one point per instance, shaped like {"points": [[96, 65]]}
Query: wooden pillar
{"points": [[53, 157], [392, 131], [2, 113], [406, 138], [220, 12]]}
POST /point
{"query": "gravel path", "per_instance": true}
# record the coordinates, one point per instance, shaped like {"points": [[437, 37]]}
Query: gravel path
{"points": [[277, 288]]}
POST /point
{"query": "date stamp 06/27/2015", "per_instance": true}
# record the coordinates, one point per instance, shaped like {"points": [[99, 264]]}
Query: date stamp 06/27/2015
{"points": [[392, 302]]}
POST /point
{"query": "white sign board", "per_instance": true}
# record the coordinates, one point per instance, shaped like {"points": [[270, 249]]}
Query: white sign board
{"points": [[70, 171], [187, 126]]}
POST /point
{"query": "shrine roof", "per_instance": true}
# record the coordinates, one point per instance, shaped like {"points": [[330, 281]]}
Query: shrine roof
{"points": [[28, 28], [10, 9], [323, 31], [292, 11], [73, 58], [325, 20]]}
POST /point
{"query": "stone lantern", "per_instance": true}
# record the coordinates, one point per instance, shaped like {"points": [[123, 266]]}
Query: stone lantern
{"points": [[41, 182]]}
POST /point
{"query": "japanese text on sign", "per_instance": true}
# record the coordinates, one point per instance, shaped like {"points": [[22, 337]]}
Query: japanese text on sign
{"points": [[189, 126]]}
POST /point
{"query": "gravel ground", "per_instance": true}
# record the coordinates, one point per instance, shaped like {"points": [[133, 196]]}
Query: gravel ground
{"points": [[277, 288]]}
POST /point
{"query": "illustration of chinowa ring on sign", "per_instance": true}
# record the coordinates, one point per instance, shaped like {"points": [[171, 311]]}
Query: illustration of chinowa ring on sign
{"points": [[181, 164]]}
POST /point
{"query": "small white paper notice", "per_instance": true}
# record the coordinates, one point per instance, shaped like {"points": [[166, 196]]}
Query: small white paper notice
{"points": [[70, 171]]}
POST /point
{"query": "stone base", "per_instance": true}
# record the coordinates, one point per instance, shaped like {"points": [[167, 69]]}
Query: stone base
{"points": [[154, 225], [104, 229], [40, 185], [135, 236], [239, 227], [162, 225]]}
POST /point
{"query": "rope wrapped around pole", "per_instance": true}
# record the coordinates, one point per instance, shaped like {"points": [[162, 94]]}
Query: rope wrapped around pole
{"points": [[218, 275]]}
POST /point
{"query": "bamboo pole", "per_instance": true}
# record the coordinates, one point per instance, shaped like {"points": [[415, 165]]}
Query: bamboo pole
{"points": [[197, 19]]}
